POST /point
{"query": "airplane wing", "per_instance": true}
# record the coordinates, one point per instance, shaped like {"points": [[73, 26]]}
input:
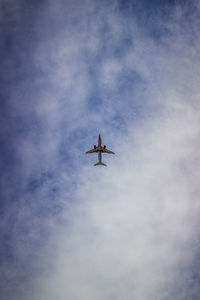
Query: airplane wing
{"points": [[107, 151], [91, 151]]}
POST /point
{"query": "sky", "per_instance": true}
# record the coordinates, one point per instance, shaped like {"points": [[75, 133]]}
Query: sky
{"points": [[129, 70]]}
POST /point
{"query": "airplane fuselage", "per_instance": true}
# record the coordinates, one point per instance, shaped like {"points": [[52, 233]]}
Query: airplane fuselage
{"points": [[100, 148]]}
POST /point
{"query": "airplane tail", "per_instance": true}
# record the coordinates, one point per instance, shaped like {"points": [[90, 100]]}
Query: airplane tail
{"points": [[100, 164]]}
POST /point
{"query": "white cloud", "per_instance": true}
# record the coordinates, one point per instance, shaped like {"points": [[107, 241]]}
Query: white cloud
{"points": [[129, 233], [126, 231]]}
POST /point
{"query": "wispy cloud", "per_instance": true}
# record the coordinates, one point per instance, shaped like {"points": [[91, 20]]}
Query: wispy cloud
{"points": [[126, 231]]}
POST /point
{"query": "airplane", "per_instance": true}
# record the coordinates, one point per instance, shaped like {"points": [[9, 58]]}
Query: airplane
{"points": [[100, 149]]}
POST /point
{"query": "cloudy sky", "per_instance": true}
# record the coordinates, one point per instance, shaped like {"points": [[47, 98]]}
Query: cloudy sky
{"points": [[130, 70]]}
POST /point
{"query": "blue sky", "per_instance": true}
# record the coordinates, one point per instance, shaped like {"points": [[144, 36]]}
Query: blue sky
{"points": [[69, 71]]}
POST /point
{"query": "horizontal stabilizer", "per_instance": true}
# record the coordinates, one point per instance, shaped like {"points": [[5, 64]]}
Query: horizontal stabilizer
{"points": [[100, 164]]}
